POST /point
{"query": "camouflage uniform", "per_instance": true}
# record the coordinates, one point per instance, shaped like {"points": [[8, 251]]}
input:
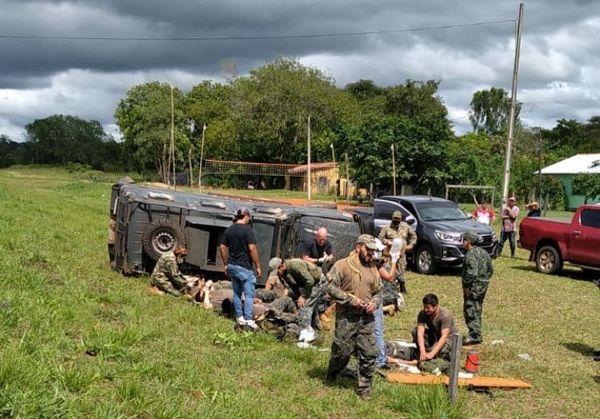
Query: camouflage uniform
{"points": [[304, 279], [166, 275], [405, 232], [354, 328], [476, 273]]}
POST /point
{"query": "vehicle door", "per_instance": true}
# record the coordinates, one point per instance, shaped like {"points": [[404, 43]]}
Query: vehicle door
{"points": [[264, 230], [291, 238], [584, 239], [383, 214], [204, 234]]}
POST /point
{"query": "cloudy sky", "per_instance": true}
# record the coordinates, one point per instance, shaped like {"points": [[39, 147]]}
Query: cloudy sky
{"points": [[44, 71]]}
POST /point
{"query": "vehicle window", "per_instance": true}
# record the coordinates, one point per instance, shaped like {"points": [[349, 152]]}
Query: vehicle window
{"points": [[292, 239], [440, 211], [590, 218], [384, 210], [409, 206], [341, 234]]}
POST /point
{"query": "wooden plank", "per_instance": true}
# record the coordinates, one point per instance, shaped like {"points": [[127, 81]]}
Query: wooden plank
{"points": [[487, 382]]}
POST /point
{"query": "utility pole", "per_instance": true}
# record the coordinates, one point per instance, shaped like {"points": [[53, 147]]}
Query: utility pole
{"points": [[173, 136], [201, 159], [335, 173], [347, 180], [513, 105], [308, 180], [394, 168], [192, 127]]}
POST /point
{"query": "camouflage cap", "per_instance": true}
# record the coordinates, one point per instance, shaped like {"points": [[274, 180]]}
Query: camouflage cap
{"points": [[396, 214], [471, 236], [367, 240], [274, 264]]}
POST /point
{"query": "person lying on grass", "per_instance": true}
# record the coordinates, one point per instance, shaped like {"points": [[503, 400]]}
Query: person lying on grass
{"points": [[218, 296]]}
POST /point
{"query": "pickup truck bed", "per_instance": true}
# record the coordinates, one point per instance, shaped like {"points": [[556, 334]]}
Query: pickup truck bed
{"points": [[553, 242]]}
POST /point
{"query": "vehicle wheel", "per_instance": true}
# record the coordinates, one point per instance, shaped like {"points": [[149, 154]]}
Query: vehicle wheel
{"points": [[162, 236], [424, 260], [548, 260]]}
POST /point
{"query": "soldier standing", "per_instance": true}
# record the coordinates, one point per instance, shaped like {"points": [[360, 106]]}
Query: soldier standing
{"points": [[355, 285], [399, 229], [476, 274]]}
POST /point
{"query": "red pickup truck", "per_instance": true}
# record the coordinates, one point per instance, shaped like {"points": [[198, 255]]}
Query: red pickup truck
{"points": [[553, 241]]}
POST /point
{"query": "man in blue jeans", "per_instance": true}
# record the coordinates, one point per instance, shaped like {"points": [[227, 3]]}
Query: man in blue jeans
{"points": [[510, 213], [239, 253]]}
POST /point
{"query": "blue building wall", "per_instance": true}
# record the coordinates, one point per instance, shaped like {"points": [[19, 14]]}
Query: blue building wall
{"points": [[574, 200]]}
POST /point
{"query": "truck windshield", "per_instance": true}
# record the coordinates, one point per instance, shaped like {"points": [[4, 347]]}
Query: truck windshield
{"points": [[440, 211]]}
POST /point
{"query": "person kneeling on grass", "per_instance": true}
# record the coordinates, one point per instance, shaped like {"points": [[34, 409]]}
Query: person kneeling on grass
{"points": [[431, 346], [167, 277]]}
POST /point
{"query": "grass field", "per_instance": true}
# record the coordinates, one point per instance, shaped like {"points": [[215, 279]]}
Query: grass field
{"points": [[80, 340]]}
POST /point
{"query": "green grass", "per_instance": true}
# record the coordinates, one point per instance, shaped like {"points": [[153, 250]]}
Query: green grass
{"points": [[80, 340]]}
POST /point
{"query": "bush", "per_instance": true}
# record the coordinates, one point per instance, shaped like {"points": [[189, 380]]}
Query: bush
{"points": [[77, 167]]}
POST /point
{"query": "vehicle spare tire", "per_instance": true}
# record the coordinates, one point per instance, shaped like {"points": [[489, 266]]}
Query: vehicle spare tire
{"points": [[162, 236]]}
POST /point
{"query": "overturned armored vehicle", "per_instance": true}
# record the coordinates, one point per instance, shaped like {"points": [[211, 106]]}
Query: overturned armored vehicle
{"points": [[147, 222]]}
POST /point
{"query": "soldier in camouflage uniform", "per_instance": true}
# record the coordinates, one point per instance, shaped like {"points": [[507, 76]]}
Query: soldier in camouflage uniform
{"points": [[399, 229], [355, 286], [166, 275], [303, 279], [476, 273]]}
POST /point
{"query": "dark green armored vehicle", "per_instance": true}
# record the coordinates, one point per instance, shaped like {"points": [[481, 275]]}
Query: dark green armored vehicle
{"points": [[147, 222]]}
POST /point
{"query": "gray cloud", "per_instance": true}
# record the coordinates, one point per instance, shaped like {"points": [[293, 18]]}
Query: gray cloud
{"points": [[41, 77]]}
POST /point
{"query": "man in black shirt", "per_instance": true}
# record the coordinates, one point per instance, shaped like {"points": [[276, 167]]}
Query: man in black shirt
{"points": [[239, 253], [318, 250]]}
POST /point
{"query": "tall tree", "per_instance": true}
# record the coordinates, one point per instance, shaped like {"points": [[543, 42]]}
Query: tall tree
{"points": [[415, 99], [60, 139], [272, 105], [490, 111], [9, 151], [210, 103], [590, 141], [144, 118], [420, 153]]}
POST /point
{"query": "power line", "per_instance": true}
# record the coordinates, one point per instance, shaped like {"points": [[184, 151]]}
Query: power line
{"points": [[560, 101], [249, 38]]}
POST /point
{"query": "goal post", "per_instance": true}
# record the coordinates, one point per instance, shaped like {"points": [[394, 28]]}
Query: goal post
{"points": [[323, 177]]}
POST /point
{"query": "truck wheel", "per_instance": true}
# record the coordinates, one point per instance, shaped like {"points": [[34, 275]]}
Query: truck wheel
{"points": [[162, 236], [548, 260], [424, 260]]}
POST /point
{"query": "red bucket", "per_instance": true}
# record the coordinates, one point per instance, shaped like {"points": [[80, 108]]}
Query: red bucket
{"points": [[472, 363]]}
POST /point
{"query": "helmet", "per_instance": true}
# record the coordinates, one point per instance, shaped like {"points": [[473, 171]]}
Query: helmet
{"points": [[471, 236]]}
